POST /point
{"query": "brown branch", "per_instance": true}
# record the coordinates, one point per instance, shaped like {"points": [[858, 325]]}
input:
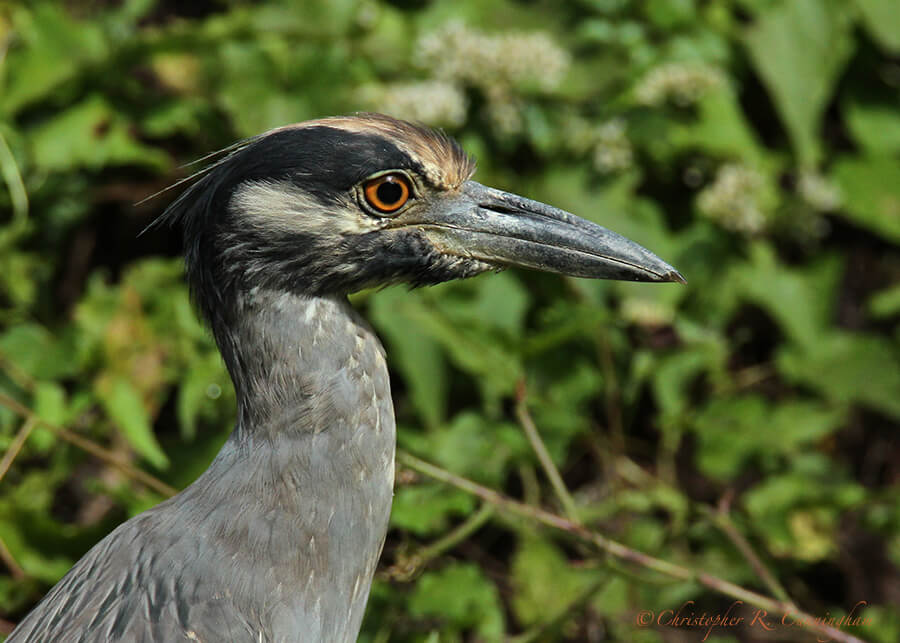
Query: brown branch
{"points": [[15, 570], [91, 447], [20, 377], [623, 552], [723, 521], [721, 518], [540, 449], [409, 565], [16, 446]]}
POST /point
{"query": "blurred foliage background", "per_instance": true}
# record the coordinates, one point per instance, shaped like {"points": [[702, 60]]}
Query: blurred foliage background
{"points": [[754, 144]]}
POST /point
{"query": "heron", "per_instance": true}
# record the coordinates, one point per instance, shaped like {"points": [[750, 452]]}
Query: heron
{"points": [[279, 538]]}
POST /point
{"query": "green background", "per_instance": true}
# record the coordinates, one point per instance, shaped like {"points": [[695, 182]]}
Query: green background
{"points": [[754, 144]]}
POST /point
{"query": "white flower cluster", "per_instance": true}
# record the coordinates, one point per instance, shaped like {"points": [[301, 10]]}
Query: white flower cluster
{"points": [[646, 312], [504, 112], [612, 151], [455, 52], [367, 12], [495, 64], [818, 191], [734, 200], [683, 84], [434, 102]]}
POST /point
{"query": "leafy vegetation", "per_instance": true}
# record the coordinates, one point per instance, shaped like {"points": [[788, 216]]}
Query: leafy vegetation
{"points": [[744, 425]]}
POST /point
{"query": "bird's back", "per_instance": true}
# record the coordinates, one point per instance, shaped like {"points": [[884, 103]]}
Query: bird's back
{"points": [[132, 586], [157, 577], [206, 566]]}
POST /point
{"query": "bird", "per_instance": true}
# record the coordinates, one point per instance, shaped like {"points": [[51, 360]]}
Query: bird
{"points": [[278, 540]]}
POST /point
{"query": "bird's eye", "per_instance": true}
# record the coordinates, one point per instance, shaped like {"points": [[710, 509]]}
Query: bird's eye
{"points": [[387, 193]]}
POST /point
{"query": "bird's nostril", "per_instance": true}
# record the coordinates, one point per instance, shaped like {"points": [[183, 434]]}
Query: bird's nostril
{"points": [[502, 209]]}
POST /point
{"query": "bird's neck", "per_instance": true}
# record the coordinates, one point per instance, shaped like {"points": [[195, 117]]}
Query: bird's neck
{"points": [[302, 365], [313, 391], [309, 469]]}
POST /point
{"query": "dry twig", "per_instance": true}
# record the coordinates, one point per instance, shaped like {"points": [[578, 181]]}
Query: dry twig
{"points": [[624, 553]]}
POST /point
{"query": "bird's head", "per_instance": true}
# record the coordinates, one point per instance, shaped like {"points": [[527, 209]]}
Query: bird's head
{"points": [[340, 204]]}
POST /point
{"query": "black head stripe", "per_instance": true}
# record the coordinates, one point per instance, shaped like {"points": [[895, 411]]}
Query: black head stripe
{"points": [[324, 161]]}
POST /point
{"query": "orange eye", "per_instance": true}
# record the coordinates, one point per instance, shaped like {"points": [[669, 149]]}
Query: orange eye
{"points": [[388, 192]]}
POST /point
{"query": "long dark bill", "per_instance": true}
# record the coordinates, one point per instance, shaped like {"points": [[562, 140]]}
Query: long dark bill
{"points": [[509, 230]]}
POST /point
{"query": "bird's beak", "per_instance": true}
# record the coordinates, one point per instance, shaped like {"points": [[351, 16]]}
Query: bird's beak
{"points": [[509, 230]]}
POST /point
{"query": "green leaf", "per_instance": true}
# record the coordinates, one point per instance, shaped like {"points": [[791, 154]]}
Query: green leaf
{"points": [[544, 582], [174, 117], [732, 430], [672, 375], [801, 300], [668, 14], [35, 540], [50, 402], [417, 355], [250, 83], [875, 126], [720, 128], [726, 431], [462, 595], [201, 385], [502, 302], [848, 368], [49, 405], [33, 349], [469, 347], [885, 303], [559, 400], [53, 50], [49, 568], [21, 274], [799, 49], [428, 508], [871, 193], [125, 407], [798, 512], [882, 20], [472, 446], [93, 135]]}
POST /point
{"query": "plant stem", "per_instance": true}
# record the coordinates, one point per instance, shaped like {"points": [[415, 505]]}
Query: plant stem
{"points": [[16, 446], [623, 552], [15, 570], [724, 522], [540, 449], [91, 447], [9, 170], [462, 532]]}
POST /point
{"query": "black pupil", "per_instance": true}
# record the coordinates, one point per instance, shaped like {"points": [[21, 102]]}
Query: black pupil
{"points": [[389, 192]]}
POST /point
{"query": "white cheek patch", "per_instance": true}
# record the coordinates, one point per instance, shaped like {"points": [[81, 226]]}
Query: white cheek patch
{"points": [[281, 206]]}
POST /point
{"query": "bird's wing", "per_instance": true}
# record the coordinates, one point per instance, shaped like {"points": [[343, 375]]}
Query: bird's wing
{"points": [[124, 589]]}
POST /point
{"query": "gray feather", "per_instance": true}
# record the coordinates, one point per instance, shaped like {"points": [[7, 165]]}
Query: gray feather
{"points": [[289, 518]]}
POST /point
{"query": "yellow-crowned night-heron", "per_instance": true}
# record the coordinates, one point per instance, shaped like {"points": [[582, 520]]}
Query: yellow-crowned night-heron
{"points": [[279, 538]]}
